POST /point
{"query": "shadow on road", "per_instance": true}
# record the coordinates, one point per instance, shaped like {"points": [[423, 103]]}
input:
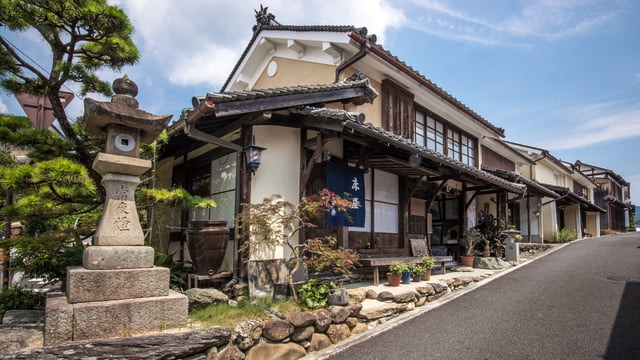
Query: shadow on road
{"points": [[623, 343]]}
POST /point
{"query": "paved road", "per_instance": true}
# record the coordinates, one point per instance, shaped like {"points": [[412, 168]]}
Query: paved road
{"points": [[561, 306]]}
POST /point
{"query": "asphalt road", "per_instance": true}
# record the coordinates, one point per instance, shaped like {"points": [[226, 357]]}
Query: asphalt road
{"points": [[579, 302]]}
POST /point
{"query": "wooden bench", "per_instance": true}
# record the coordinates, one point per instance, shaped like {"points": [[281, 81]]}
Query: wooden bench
{"points": [[376, 262], [192, 280], [443, 261]]}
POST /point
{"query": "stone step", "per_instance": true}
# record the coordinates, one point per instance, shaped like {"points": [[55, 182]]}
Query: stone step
{"points": [[67, 322], [85, 285]]}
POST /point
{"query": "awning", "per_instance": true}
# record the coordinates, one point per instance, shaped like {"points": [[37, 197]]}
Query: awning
{"points": [[533, 187], [470, 172], [569, 197]]}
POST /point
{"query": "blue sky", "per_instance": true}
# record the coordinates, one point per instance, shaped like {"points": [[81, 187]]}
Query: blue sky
{"points": [[563, 75]]}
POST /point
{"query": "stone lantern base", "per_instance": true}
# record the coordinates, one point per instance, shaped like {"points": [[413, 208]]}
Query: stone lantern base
{"points": [[113, 303]]}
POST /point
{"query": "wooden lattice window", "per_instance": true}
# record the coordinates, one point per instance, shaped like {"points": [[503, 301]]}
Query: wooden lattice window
{"points": [[397, 110]]}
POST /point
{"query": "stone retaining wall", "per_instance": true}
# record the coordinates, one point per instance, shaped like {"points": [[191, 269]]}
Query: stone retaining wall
{"points": [[290, 336]]}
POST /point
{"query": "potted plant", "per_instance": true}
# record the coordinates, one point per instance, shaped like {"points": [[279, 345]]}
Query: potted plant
{"points": [[394, 276], [470, 239], [427, 264], [486, 251], [406, 274], [374, 242], [417, 270]]}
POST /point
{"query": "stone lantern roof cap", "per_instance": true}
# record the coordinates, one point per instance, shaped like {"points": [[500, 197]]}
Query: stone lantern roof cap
{"points": [[123, 110]]}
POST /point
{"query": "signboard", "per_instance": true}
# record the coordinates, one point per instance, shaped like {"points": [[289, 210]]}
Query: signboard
{"points": [[39, 110]]}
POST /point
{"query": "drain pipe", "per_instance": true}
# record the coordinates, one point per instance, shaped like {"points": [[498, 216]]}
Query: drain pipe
{"points": [[364, 50]]}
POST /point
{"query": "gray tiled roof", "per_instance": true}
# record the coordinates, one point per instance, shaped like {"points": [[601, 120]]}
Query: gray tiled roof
{"points": [[228, 96], [334, 114]]}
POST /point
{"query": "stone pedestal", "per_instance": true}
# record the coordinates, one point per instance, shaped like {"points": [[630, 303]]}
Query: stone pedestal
{"points": [[117, 291], [512, 251]]}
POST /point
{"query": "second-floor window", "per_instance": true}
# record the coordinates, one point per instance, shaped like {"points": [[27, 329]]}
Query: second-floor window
{"points": [[430, 133]]}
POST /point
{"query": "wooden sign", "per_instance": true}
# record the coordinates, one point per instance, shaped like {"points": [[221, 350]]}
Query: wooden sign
{"points": [[418, 247]]}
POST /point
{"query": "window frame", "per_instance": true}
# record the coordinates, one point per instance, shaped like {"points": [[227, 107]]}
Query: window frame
{"points": [[434, 133]]}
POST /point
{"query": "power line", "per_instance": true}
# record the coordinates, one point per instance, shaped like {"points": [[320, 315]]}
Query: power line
{"points": [[40, 66]]}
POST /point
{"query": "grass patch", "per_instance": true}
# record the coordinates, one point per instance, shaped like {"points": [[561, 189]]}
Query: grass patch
{"points": [[228, 316], [564, 235]]}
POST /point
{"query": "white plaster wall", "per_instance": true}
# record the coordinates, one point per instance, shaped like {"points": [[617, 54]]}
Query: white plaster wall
{"points": [[572, 219], [545, 175], [279, 171], [593, 223], [472, 217], [549, 220], [534, 229]]}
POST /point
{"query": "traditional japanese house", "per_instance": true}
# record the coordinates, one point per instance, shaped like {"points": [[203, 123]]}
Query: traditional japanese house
{"points": [[612, 194], [330, 105], [564, 197]]}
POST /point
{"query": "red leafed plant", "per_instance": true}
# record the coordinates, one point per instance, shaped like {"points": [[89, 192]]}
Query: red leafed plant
{"points": [[276, 222]]}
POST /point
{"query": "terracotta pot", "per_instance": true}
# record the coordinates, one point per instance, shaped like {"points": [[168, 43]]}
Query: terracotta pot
{"points": [[467, 260], [427, 275], [394, 280]]}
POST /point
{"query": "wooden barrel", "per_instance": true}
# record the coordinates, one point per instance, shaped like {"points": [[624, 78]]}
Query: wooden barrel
{"points": [[207, 242]]}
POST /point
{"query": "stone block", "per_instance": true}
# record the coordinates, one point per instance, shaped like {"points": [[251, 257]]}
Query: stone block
{"points": [[85, 285], [27, 317], [118, 164], [58, 320], [106, 319], [19, 338], [119, 224], [117, 257]]}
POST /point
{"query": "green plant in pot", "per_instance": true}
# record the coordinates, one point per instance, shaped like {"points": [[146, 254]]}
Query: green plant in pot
{"points": [[486, 249], [394, 276], [427, 264], [469, 241], [417, 271]]}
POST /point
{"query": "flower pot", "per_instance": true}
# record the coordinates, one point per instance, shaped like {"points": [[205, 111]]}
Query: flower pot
{"points": [[406, 277], [416, 278], [486, 253], [393, 279], [467, 260], [427, 275]]}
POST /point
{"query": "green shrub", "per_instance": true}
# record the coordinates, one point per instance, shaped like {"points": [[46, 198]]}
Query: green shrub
{"points": [[397, 268], [563, 235], [177, 269], [17, 298], [315, 294], [47, 257]]}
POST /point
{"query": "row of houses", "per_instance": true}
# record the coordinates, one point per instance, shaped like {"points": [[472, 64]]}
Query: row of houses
{"points": [[329, 106]]}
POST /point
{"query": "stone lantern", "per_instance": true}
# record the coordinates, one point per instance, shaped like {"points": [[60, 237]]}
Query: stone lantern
{"points": [[117, 291]]}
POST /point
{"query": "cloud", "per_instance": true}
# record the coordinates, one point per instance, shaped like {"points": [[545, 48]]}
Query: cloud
{"points": [[595, 124], [553, 20], [547, 20], [199, 41], [3, 107]]}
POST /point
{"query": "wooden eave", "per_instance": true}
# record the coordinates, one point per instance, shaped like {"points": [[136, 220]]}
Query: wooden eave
{"points": [[233, 110]]}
